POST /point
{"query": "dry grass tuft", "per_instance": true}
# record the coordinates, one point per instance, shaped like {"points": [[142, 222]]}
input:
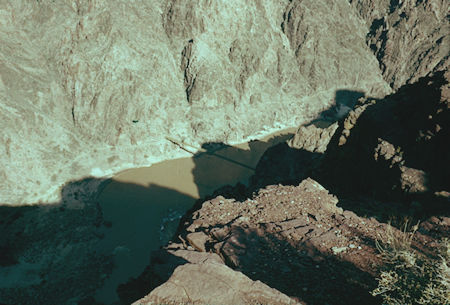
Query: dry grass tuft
{"points": [[409, 277]]}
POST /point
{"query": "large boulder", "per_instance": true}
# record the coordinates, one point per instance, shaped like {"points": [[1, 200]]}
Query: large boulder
{"points": [[213, 283]]}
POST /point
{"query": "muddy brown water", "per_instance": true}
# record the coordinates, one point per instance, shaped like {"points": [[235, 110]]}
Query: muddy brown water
{"points": [[144, 205]]}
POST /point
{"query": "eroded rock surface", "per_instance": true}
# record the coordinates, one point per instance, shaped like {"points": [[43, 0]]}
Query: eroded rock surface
{"points": [[312, 138], [289, 237], [213, 283], [409, 38], [93, 87], [402, 138]]}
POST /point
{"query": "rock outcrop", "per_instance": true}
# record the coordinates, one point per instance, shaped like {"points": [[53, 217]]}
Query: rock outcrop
{"points": [[397, 145], [409, 38], [213, 283], [313, 139], [289, 237]]}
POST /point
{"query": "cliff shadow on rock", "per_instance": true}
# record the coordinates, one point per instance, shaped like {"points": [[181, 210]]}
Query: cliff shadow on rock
{"points": [[86, 243], [291, 161], [389, 156], [382, 157], [301, 270], [46, 246]]}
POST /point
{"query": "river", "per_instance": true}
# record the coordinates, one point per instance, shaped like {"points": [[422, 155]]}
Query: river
{"points": [[143, 205]]}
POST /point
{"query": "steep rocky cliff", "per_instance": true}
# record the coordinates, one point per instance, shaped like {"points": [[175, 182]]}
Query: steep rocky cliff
{"points": [[409, 38], [384, 165], [89, 88], [93, 87]]}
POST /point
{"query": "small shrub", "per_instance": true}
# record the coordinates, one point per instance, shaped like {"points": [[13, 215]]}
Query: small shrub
{"points": [[411, 278]]}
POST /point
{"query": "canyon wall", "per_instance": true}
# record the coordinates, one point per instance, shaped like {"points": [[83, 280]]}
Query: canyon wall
{"points": [[409, 38], [94, 87]]}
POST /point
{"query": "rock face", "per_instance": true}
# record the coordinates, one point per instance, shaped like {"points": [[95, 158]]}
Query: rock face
{"points": [[213, 283], [383, 162], [303, 24], [86, 91], [409, 38], [182, 276], [402, 138], [312, 138], [93, 87]]}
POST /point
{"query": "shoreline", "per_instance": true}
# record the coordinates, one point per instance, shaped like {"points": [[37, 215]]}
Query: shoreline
{"points": [[143, 201], [260, 136]]}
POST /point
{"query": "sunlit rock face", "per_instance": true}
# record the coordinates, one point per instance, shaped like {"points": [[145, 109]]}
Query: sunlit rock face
{"points": [[94, 87], [409, 38]]}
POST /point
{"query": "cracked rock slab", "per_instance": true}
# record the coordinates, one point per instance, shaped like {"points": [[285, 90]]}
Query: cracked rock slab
{"points": [[213, 283]]}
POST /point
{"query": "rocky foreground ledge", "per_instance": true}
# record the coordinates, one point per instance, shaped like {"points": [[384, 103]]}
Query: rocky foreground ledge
{"points": [[286, 242], [292, 238]]}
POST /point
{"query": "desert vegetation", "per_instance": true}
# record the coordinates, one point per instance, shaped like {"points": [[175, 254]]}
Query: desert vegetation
{"points": [[408, 276]]}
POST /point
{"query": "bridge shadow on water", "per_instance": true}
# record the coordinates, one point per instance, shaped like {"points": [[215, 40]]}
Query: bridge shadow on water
{"points": [[101, 233]]}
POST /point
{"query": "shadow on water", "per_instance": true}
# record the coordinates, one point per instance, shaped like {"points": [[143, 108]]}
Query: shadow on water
{"points": [[46, 250], [348, 98], [101, 233], [77, 251], [142, 219], [97, 242]]}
